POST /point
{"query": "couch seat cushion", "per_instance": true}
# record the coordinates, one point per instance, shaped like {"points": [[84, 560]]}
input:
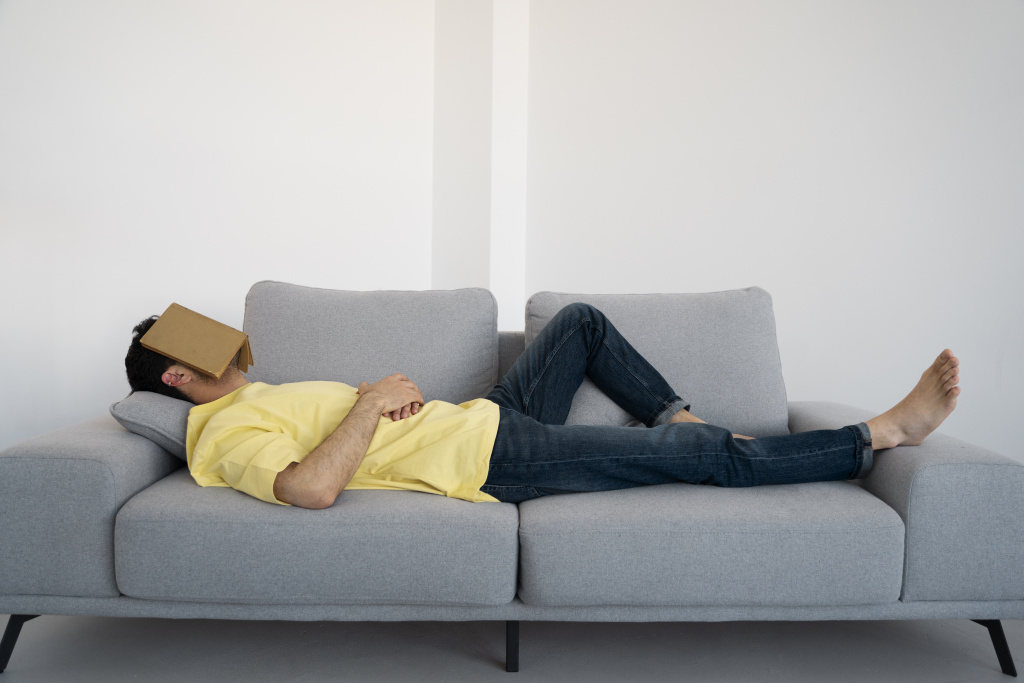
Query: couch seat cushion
{"points": [[179, 541], [828, 543], [444, 341], [717, 350]]}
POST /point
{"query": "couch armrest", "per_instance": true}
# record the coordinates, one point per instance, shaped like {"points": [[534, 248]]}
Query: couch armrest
{"points": [[59, 495], [962, 505]]}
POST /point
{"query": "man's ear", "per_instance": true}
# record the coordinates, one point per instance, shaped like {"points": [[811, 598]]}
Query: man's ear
{"points": [[176, 375]]}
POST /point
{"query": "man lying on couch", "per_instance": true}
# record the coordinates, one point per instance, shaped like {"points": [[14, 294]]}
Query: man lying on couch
{"points": [[304, 443]]}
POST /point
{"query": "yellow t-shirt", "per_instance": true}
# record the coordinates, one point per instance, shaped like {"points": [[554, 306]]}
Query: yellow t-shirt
{"points": [[246, 438]]}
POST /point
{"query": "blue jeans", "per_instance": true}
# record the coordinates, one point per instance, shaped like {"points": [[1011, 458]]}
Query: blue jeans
{"points": [[536, 454]]}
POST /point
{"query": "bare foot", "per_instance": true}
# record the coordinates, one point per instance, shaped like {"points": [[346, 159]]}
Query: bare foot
{"points": [[924, 408], [685, 416]]}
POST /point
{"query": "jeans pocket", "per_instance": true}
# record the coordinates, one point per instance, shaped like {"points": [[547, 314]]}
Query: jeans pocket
{"points": [[511, 494]]}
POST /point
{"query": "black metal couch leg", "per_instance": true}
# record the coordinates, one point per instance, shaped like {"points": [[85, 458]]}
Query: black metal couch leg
{"points": [[512, 646], [11, 637], [995, 629]]}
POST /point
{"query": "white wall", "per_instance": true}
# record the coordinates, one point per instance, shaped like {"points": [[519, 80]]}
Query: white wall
{"points": [[153, 152], [864, 162]]}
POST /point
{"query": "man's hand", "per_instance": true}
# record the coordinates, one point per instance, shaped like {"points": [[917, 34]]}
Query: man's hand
{"points": [[399, 398]]}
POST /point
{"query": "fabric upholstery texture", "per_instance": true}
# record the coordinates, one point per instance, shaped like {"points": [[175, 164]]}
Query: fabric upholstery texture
{"points": [[717, 350], [445, 341], [58, 497], [510, 346], [827, 543], [124, 606], [962, 506], [179, 541], [159, 418]]}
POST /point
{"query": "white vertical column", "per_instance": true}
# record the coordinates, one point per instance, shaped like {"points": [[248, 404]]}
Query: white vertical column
{"points": [[462, 144], [508, 160]]}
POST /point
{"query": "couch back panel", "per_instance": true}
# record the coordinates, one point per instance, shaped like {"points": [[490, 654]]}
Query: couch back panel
{"points": [[510, 346], [718, 351], [445, 341]]}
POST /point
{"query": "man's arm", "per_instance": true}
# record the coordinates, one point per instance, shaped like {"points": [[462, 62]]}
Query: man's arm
{"points": [[322, 475]]}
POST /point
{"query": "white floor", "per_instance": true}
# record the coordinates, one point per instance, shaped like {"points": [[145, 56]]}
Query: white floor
{"points": [[106, 649]]}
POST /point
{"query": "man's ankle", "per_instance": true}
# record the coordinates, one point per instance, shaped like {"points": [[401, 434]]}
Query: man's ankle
{"points": [[685, 416]]}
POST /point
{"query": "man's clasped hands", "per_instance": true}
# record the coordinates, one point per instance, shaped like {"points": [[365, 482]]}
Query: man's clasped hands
{"points": [[399, 397]]}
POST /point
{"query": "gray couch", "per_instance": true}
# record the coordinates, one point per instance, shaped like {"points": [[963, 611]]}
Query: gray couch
{"points": [[100, 520]]}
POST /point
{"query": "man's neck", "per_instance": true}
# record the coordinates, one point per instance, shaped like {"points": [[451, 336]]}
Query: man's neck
{"points": [[208, 392]]}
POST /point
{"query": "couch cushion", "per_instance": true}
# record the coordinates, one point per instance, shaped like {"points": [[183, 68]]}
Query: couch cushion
{"points": [[445, 341], [717, 350], [179, 541], [827, 543]]}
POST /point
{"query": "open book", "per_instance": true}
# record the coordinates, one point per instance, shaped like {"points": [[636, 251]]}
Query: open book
{"points": [[199, 342]]}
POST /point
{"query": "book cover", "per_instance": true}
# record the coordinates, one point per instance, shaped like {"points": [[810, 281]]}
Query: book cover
{"points": [[199, 342]]}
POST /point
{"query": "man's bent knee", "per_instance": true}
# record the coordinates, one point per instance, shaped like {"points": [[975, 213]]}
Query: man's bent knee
{"points": [[581, 311]]}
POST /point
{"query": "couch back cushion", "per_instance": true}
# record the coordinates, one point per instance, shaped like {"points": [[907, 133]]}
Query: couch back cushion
{"points": [[445, 341], [717, 350]]}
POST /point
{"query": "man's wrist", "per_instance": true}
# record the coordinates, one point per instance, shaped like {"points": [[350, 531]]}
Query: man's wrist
{"points": [[371, 401]]}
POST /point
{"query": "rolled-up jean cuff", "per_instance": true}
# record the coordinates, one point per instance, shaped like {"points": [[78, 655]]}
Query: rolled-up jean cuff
{"points": [[665, 416], [867, 454]]}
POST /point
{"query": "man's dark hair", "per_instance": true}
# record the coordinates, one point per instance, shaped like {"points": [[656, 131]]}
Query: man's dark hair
{"points": [[144, 367]]}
